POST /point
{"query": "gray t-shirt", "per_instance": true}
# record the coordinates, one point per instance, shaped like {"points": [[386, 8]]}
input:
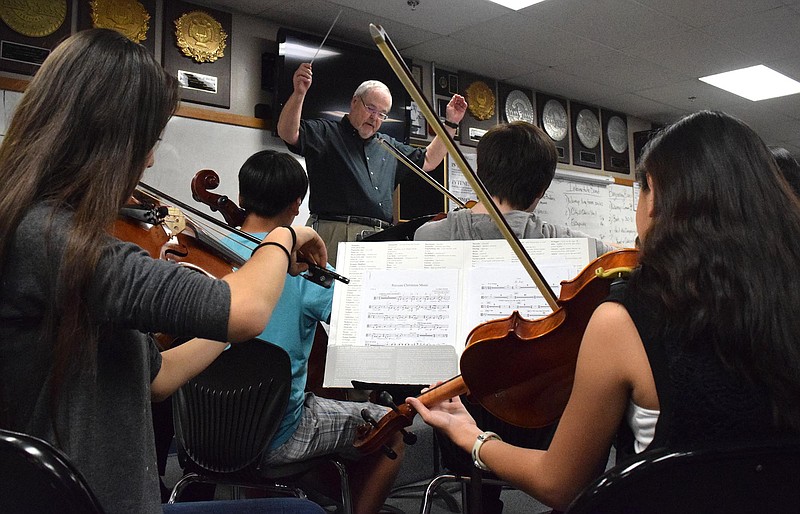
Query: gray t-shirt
{"points": [[466, 225], [104, 422]]}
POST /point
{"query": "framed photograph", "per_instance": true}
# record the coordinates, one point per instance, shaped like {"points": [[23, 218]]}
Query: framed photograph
{"points": [[417, 123], [416, 73]]}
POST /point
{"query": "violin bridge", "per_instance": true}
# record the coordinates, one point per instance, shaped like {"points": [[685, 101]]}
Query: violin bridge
{"points": [[174, 221]]}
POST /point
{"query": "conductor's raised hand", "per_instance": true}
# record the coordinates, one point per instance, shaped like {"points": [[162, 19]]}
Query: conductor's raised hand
{"points": [[456, 108], [302, 78]]}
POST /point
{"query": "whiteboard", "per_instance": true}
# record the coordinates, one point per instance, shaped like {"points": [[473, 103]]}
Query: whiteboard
{"points": [[590, 203], [595, 206]]}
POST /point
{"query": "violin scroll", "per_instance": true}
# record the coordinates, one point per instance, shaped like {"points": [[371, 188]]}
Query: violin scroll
{"points": [[373, 435]]}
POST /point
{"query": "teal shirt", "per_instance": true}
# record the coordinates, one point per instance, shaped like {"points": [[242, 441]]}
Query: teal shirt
{"points": [[292, 326]]}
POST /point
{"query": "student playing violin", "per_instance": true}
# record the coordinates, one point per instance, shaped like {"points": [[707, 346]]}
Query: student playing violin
{"points": [[76, 367], [702, 347]]}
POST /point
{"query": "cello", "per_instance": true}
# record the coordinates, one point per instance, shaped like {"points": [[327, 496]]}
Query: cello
{"points": [[519, 370]]}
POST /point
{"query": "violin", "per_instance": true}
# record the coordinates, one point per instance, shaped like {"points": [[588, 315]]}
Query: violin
{"points": [[165, 233], [519, 370]]}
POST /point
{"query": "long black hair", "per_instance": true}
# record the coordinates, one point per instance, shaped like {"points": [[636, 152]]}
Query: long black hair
{"points": [[80, 139], [721, 253]]}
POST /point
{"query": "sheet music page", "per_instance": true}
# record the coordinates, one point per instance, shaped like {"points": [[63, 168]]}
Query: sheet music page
{"points": [[405, 315], [413, 308]]}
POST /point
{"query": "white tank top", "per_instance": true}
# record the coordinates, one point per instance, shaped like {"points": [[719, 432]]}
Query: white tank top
{"points": [[643, 425]]}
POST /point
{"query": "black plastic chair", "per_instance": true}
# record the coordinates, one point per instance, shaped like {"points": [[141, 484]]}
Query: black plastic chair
{"points": [[36, 477], [225, 417], [730, 480]]}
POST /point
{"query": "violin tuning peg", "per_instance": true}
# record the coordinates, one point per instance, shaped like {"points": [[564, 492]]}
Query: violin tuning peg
{"points": [[365, 414], [389, 452], [387, 400], [408, 437]]}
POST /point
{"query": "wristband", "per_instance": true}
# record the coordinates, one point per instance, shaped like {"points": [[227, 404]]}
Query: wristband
{"points": [[273, 243], [294, 235], [450, 124], [476, 448]]}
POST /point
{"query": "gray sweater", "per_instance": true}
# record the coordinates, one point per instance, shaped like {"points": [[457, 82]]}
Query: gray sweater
{"points": [[466, 225], [104, 424]]}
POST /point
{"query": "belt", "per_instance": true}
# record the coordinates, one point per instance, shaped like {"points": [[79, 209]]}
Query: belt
{"points": [[361, 220]]}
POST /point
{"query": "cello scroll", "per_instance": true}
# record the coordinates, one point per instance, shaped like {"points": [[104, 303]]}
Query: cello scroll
{"points": [[205, 180]]}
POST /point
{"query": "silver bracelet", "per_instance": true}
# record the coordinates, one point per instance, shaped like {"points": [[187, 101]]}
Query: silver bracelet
{"points": [[476, 448]]}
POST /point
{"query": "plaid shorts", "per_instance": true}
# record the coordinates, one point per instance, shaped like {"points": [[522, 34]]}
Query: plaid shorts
{"points": [[326, 427]]}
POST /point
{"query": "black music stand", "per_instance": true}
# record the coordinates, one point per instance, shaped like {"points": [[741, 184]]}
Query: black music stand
{"points": [[400, 232]]}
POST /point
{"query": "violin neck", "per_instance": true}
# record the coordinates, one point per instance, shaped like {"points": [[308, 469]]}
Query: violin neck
{"points": [[444, 391]]}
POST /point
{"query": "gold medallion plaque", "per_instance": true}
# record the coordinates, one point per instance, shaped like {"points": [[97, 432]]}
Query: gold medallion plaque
{"points": [[129, 17], [480, 99], [200, 36], [34, 18]]}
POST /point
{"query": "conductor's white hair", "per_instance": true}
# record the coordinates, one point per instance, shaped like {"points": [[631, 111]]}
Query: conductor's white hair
{"points": [[369, 85]]}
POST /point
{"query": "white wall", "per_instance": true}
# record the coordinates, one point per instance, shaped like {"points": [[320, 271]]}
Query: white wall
{"points": [[189, 145]]}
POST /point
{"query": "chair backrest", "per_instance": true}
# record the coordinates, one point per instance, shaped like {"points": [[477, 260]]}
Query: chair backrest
{"points": [[36, 477], [726, 480], [225, 416]]}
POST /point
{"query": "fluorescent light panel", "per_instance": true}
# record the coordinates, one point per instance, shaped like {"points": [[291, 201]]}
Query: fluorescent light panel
{"points": [[301, 51], [516, 4], [754, 83]]}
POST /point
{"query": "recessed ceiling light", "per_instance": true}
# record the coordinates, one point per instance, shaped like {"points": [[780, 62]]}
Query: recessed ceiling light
{"points": [[754, 83], [516, 4]]}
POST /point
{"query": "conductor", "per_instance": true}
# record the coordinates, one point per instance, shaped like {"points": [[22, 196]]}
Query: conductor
{"points": [[351, 177]]}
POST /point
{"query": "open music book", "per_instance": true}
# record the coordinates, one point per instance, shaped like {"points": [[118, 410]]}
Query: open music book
{"points": [[410, 305]]}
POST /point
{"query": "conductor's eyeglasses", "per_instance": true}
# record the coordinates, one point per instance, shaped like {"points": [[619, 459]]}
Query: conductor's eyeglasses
{"points": [[373, 111]]}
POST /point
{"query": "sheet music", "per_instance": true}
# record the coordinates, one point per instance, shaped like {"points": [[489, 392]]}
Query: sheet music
{"points": [[405, 316]]}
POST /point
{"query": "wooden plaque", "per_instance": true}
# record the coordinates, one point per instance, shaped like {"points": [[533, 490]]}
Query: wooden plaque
{"points": [[516, 103], [481, 95], [130, 24], [205, 77], [552, 115], [615, 142], [586, 135], [28, 37], [445, 82]]}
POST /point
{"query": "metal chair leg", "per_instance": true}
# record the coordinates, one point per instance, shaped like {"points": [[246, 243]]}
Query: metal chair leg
{"points": [[433, 485]]}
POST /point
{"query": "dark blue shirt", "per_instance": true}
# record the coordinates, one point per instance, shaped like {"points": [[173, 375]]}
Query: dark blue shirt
{"points": [[347, 175]]}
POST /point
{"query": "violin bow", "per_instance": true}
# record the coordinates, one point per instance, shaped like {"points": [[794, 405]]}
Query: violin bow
{"points": [[392, 56], [421, 173], [317, 274]]}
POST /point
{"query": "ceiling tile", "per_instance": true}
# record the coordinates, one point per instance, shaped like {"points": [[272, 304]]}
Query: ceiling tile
{"points": [[614, 23], [692, 53], [699, 13], [768, 35], [531, 40]]}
